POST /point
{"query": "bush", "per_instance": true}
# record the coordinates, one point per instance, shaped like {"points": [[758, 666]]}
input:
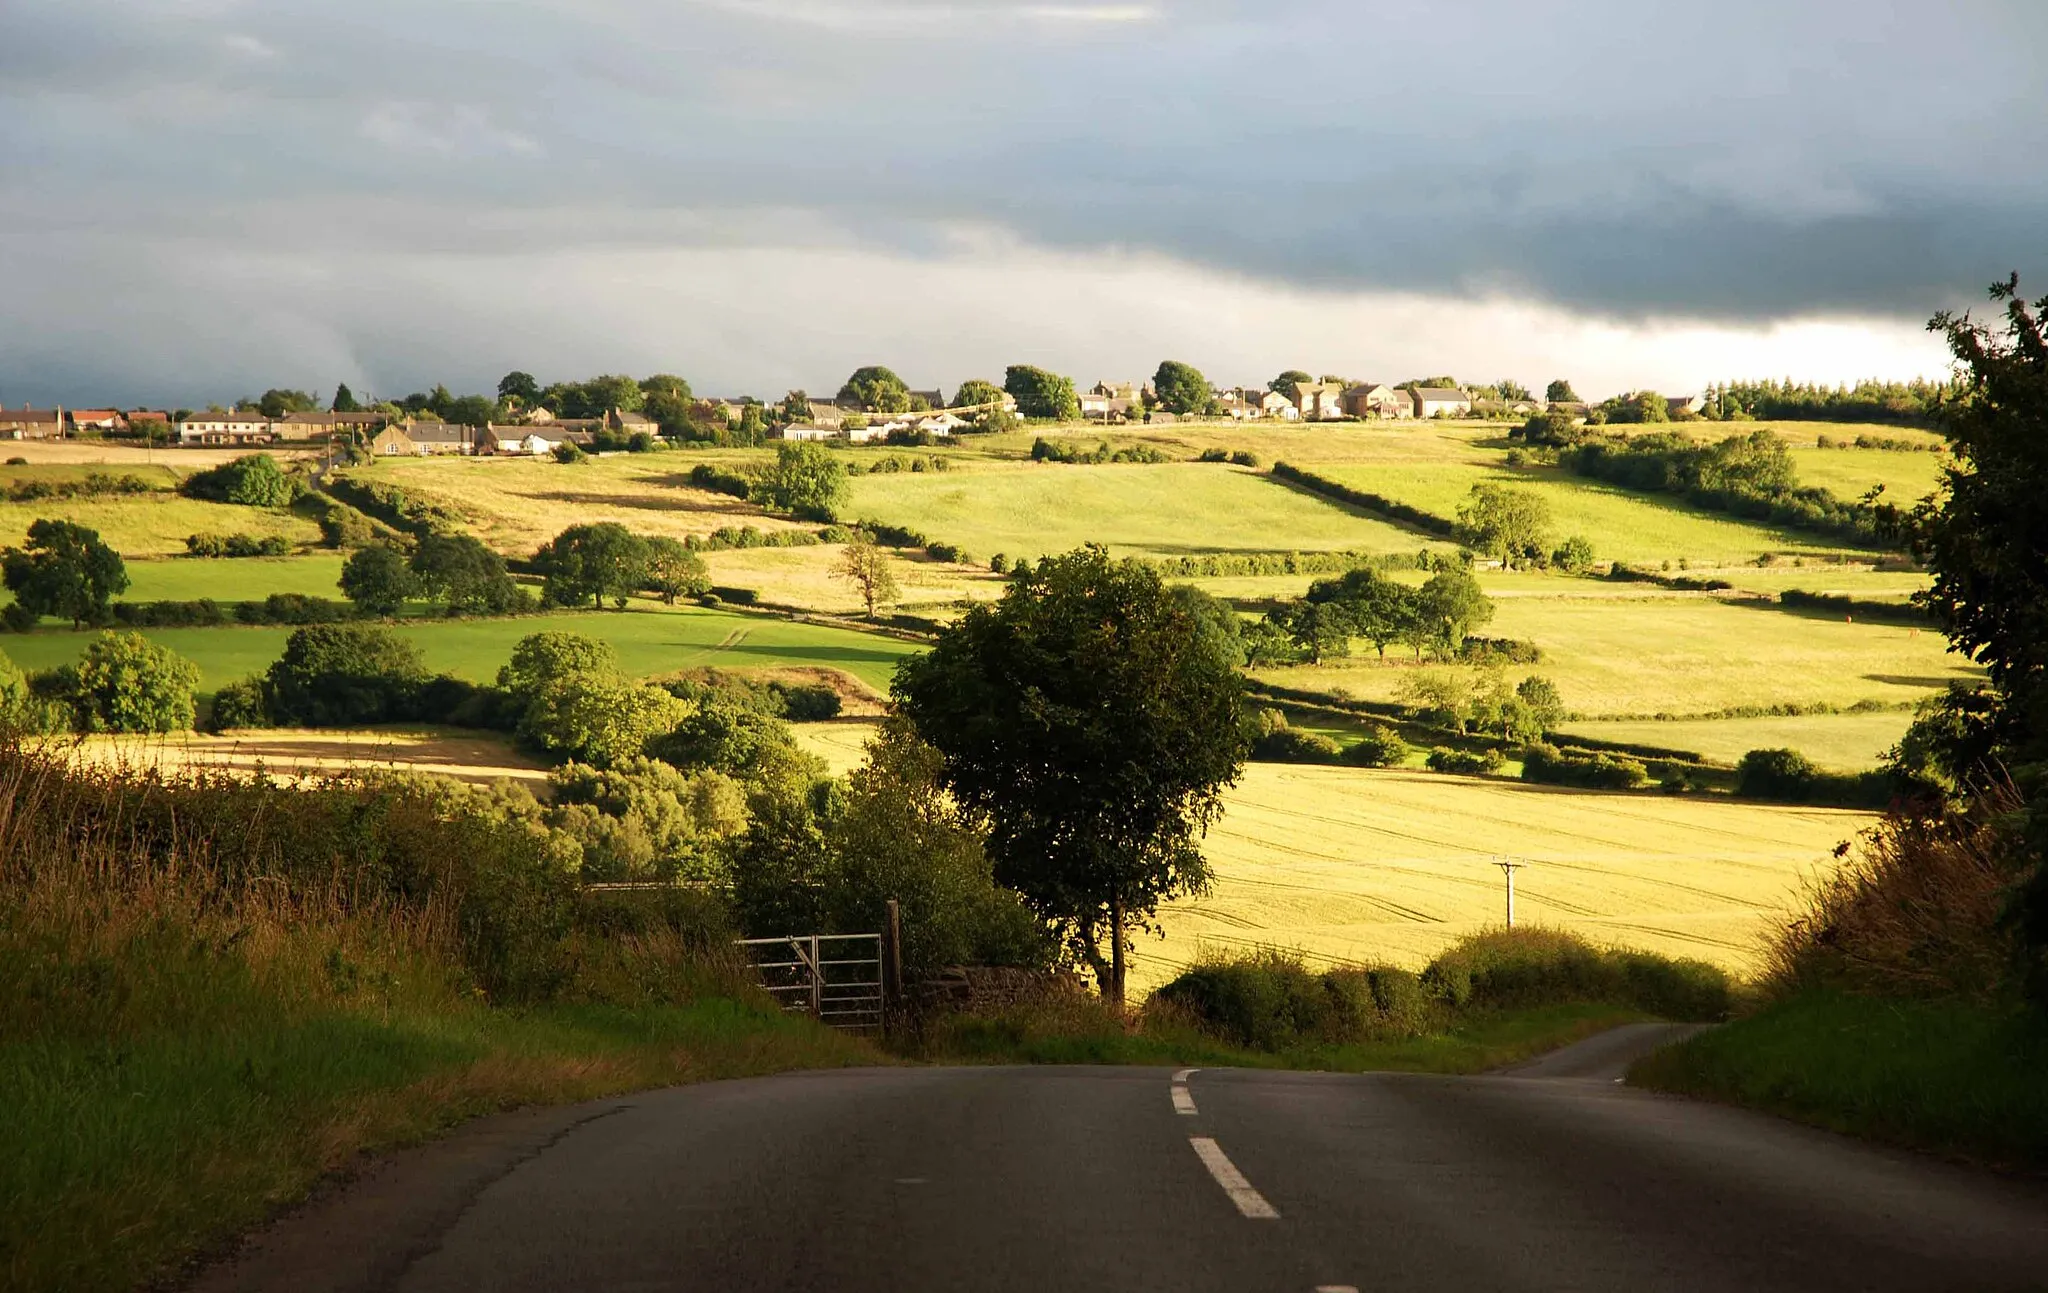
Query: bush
{"points": [[1574, 556], [293, 608], [808, 702], [719, 480], [345, 675], [240, 704], [1791, 777], [126, 683], [1547, 764], [252, 481], [1483, 651], [1292, 745], [1466, 762], [1379, 747], [16, 618], [1272, 1002], [737, 596], [1523, 968], [203, 613]]}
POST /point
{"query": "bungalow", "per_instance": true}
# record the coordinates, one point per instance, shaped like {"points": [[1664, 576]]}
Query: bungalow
{"points": [[1275, 404], [1233, 405], [1576, 410], [1377, 400], [940, 424], [395, 441], [26, 423], [442, 437], [626, 423], [95, 421], [1686, 406], [1441, 402], [803, 431], [1319, 401], [227, 428]]}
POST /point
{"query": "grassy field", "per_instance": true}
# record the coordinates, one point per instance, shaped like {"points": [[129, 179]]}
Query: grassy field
{"points": [[649, 641], [1620, 524], [234, 579], [1168, 510], [157, 474], [1369, 865], [808, 577], [150, 525], [1850, 473], [1681, 653], [461, 753], [1838, 742], [517, 504]]}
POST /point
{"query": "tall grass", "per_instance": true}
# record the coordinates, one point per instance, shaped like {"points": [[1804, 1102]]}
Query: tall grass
{"points": [[219, 990]]}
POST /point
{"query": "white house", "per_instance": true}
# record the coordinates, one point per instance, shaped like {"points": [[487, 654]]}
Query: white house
{"points": [[941, 424], [226, 428], [800, 431], [1441, 401]]}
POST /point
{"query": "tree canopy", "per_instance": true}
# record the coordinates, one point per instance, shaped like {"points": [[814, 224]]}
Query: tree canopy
{"points": [[277, 402], [123, 682], [378, 580], [344, 400], [1088, 723], [806, 481], [519, 386], [1510, 525], [1041, 394], [344, 675], [1181, 388], [592, 563], [65, 571], [1560, 391], [975, 391], [465, 576], [876, 389], [1285, 383]]}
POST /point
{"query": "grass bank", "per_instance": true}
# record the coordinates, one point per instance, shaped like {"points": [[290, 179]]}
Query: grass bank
{"points": [[1957, 1077], [218, 992]]}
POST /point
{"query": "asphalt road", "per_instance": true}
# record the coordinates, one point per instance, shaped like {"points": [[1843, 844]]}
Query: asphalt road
{"points": [[1553, 1177]]}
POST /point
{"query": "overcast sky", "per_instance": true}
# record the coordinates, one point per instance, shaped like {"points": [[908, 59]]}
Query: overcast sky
{"points": [[202, 198]]}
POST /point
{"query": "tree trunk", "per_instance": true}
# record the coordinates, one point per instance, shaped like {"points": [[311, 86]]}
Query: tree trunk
{"points": [[1116, 953]]}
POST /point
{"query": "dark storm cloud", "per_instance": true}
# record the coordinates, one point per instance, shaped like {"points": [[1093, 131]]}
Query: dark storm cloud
{"points": [[1741, 161]]}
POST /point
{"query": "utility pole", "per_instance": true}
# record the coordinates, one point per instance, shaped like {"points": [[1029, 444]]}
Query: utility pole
{"points": [[1508, 867]]}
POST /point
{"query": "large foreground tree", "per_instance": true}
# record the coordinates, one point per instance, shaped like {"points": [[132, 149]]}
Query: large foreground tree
{"points": [[1985, 537], [64, 570], [1088, 723]]}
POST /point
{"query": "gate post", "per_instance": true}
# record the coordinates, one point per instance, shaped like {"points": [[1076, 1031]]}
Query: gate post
{"points": [[817, 982], [893, 970]]}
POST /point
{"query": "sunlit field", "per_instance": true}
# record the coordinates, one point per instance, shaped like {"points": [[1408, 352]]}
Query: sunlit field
{"points": [[154, 524], [1837, 742], [1680, 654], [1392, 866], [1167, 510], [1850, 473], [649, 641]]}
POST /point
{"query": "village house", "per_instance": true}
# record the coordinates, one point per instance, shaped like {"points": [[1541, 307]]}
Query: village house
{"points": [[1094, 403], [1319, 401], [804, 431], [929, 399], [830, 414], [146, 421], [1233, 405], [1377, 400], [1685, 406], [322, 426], [443, 437], [26, 423], [1275, 404], [626, 423], [1441, 402], [940, 424], [227, 429], [97, 421], [1131, 391]]}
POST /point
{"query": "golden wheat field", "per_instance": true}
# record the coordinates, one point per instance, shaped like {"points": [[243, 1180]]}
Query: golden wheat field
{"points": [[1372, 865]]}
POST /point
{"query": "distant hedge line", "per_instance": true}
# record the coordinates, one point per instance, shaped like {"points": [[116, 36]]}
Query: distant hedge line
{"points": [[1387, 507], [1798, 599]]}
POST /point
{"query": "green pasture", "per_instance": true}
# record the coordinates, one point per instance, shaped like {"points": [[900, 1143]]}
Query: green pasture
{"points": [[1683, 655], [1837, 742], [1162, 510], [1621, 525], [1827, 577], [159, 476], [150, 525], [1851, 473], [648, 640], [233, 579]]}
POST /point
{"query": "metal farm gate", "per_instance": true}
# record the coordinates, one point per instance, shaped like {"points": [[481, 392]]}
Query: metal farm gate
{"points": [[835, 978]]}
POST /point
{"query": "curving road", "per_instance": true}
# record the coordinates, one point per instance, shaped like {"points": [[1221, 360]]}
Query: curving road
{"points": [[1549, 1177]]}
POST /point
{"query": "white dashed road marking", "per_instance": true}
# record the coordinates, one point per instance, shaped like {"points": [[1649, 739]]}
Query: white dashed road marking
{"points": [[1249, 1201], [1183, 1099]]}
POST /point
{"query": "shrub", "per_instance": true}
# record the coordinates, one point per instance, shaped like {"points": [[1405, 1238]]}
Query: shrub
{"points": [[1480, 650], [1292, 745], [203, 613], [344, 675], [1522, 968], [1244, 458], [720, 480], [1466, 762], [1546, 763], [16, 618], [252, 481], [1271, 1001], [737, 596], [1574, 556], [599, 718], [378, 580], [1790, 777], [293, 608], [126, 683], [808, 702], [240, 704], [1379, 747]]}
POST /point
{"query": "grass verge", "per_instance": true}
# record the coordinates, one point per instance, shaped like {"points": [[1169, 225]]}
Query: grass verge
{"points": [[1961, 1078], [1084, 1034]]}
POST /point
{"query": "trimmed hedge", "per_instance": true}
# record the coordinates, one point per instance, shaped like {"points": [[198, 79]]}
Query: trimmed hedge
{"points": [[1387, 507], [1552, 766]]}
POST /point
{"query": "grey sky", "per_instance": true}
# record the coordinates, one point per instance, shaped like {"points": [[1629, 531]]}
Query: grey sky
{"points": [[207, 196]]}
